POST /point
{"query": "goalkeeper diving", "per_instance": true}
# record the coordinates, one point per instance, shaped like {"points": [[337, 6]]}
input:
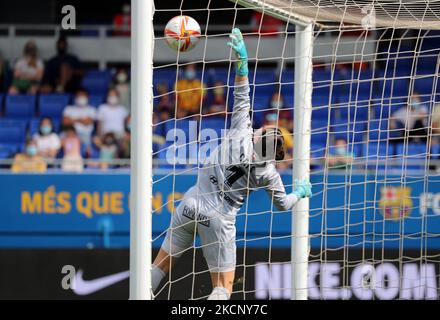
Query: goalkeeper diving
{"points": [[243, 162]]}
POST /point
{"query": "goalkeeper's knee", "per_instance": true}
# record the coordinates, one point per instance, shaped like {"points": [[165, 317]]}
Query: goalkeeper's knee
{"points": [[219, 293]]}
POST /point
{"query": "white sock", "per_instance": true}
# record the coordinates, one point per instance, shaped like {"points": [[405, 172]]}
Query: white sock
{"points": [[219, 293], [156, 277]]}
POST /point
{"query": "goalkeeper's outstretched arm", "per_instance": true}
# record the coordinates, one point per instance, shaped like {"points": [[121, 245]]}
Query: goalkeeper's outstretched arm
{"points": [[240, 116], [274, 186]]}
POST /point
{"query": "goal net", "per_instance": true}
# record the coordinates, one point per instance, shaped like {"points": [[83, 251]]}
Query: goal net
{"points": [[365, 128]]}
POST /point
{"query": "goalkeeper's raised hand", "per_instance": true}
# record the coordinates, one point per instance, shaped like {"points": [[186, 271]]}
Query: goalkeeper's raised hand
{"points": [[237, 44], [302, 189]]}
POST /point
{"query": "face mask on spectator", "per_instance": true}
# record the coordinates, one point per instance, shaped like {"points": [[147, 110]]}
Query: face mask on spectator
{"points": [[415, 104], [112, 100], [121, 77], [30, 51], [340, 150], [109, 141], [81, 101], [275, 104], [190, 74], [219, 92], [46, 129], [31, 150]]}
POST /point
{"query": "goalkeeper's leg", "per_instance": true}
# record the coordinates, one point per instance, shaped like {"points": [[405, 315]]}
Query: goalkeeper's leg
{"points": [[179, 237], [219, 249]]}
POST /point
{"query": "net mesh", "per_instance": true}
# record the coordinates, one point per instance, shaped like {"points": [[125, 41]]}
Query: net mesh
{"points": [[374, 216]]}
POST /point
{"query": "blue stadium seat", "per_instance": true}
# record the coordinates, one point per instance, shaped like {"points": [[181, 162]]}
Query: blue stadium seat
{"points": [[12, 135], [374, 149], [52, 105], [20, 123], [218, 125], [8, 150], [435, 152], [260, 101], [427, 85], [412, 156], [349, 131], [165, 76], [20, 106], [95, 100], [97, 82], [377, 130], [319, 134], [397, 87], [189, 127], [385, 107]]}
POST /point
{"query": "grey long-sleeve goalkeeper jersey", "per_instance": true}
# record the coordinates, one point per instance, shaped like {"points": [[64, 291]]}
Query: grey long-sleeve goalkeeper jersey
{"points": [[228, 176]]}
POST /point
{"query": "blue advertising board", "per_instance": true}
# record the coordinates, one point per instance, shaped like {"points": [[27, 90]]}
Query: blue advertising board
{"points": [[358, 210]]}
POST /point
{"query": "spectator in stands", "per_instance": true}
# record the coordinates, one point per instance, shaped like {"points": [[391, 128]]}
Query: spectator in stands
{"points": [[340, 157], [217, 107], [121, 84], [275, 120], [122, 21], [124, 142], [63, 72], [47, 141], [28, 71], [71, 144], [108, 149], [435, 124], [29, 161], [190, 93], [82, 116], [277, 105], [410, 121], [111, 115]]}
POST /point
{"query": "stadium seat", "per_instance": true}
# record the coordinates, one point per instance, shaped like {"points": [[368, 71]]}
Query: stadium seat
{"points": [[21, 123], [8, 150], [189, 127], [397, 87], [384, 107], [218, 125], [12, 135], [52, 105], [20, 106], [411, 156], [97, 82], [427, 85], [165, 76], [95, 100], [351, 132], [377, 130], [378, 155], [319, 134]]}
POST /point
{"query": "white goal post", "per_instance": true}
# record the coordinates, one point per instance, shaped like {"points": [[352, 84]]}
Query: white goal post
{"points": [[141, 175]]}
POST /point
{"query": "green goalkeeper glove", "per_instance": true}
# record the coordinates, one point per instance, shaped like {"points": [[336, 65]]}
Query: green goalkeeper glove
{"points": [[303, 189], [237, 44]]}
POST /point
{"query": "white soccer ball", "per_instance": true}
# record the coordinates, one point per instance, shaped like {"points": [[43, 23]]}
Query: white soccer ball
{"points": [[182, 33]]}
